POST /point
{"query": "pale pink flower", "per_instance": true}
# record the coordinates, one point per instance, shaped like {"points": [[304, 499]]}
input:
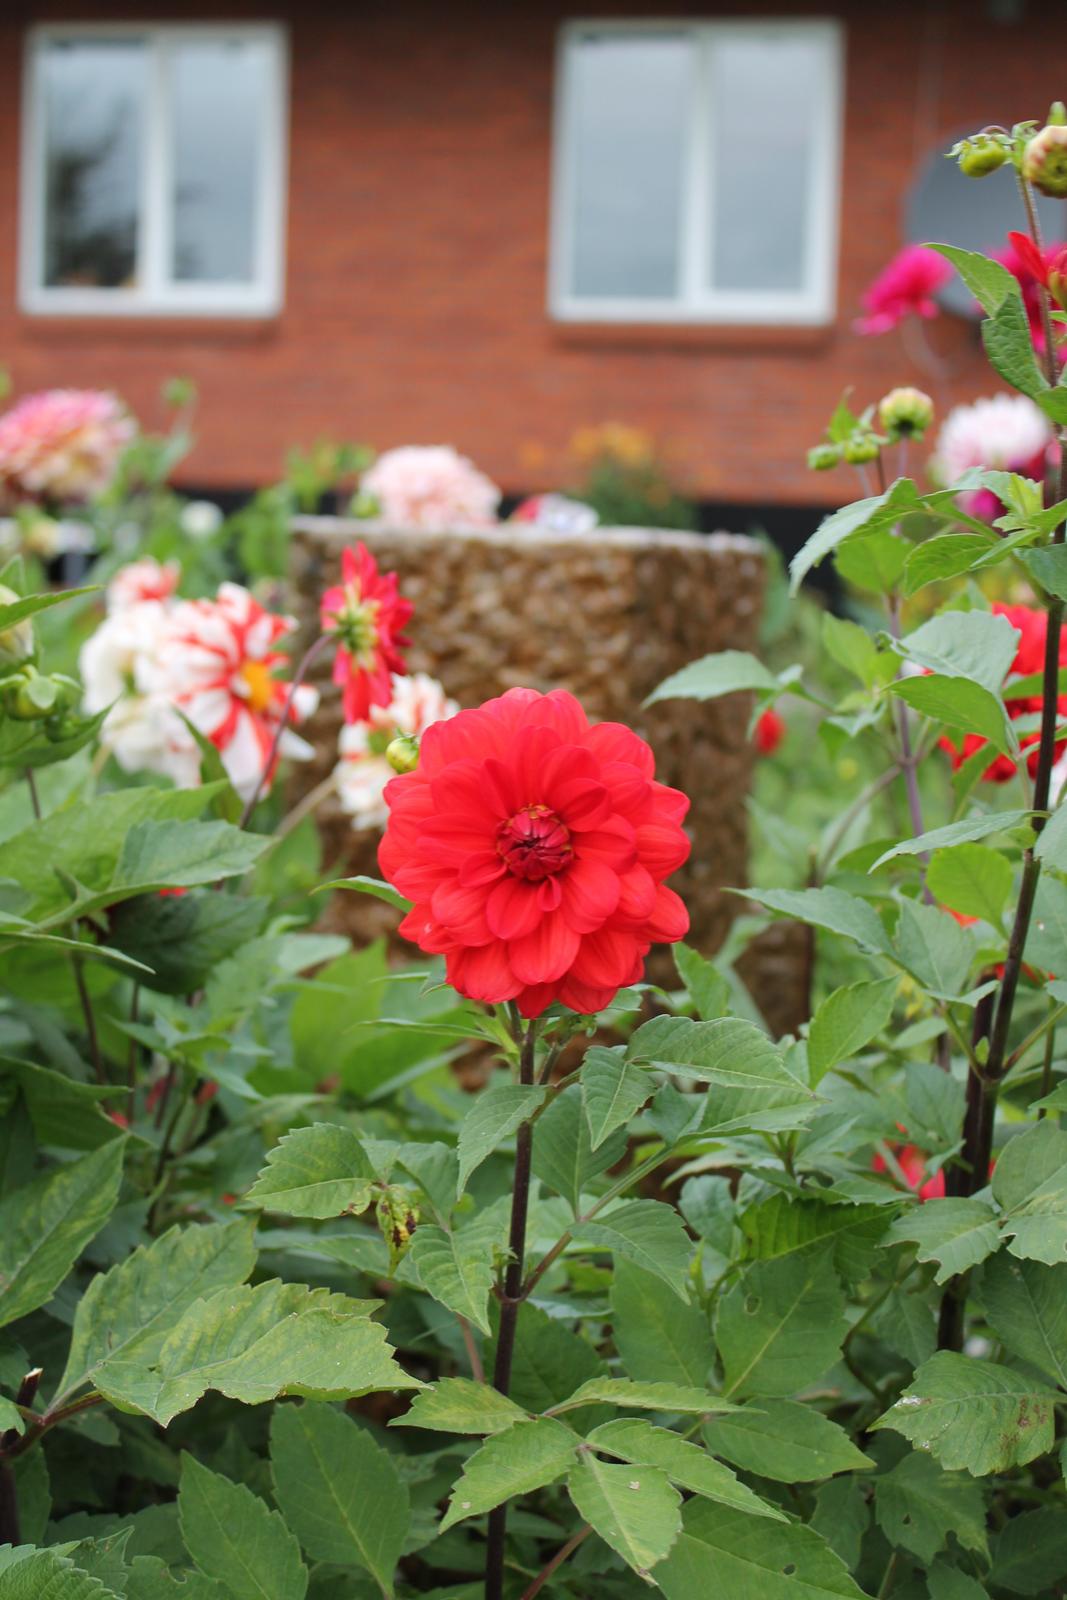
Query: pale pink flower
{"points": [[1006, 432], [147, 579], [431, 487], [905, 287], [61, 445], [363, 772]]}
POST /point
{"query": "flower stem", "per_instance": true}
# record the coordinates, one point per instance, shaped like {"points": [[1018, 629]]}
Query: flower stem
{"points": [[558, 1559], [304, 666], [85, 998], [510, 1302]]}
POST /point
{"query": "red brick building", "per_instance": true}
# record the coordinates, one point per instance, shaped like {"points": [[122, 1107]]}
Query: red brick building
{"points": [[494, 225]]}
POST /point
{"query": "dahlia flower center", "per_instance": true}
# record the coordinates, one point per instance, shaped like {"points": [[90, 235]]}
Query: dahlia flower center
{"points": [[534, 843], [357, 625], [258, 685]]}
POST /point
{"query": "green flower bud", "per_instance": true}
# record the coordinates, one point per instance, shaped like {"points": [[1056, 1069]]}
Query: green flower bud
{"points": [[402, 753], [29, 697], [861, 447], [905, 413], [824, 456], [1057, 114], [365, 505], [17, 643], [980, 156], [1045, 161]]}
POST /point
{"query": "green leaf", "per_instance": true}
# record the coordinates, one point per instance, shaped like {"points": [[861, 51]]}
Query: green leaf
{"points": [[955, 833], [917, 1506], [455, 1271], [845, 1021], [549, 1361], [46, 1224], [934, 947], [852, 648], [524, 1457], [633, 1439], [973, 1414], [949, 1583], [321, 1171], [842, 1517], [182, 938], [780, 1326], [783, 1225], [372, 886], [1030, 1184], [749, 1086], [178, 855], [128, 1312], [459, 1405], [563, 1154], [613, 1092], [729, 672], [722, 1552], [831, 909], [338, 1490], [255, 1344], [873, 515], [655, 1336], [29, 605], [1048, 567], [492, 1116], [1009, 345], [708, 989], [65, 1114], [635, 1510], [873, 562], [978, 645], [626, 1395], [785, 1441], [959, 703], [646, 1232], [957, 1233], [46, 1575], [1051, 845], [972, 880], [947, 555], [1030, 1553], [235, 1539], [989, 281], [1026, 1306]]}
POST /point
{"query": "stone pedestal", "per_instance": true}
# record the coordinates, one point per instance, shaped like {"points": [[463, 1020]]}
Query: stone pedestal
{"points": [[606, 615]]}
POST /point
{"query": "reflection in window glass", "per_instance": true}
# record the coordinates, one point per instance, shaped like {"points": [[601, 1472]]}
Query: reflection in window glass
{"points": [[218, 92], [761, 176], [93, 93], [631, 112]]}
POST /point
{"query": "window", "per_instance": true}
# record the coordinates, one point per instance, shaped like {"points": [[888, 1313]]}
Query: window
{"points": [[696, 172], [153, 170]]}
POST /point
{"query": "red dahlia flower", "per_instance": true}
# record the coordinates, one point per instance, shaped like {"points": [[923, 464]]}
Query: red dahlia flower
{"points": [[535, 848], [366, 613], [1031, 267], [1029, 659], [770, 731]]}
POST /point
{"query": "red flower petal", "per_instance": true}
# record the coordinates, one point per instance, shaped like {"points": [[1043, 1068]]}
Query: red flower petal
{"points": [[590, 894], [546, 953], [513, 908]]}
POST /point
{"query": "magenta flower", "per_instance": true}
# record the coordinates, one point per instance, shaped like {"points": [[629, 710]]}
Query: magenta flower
{"points": [[904, 288]]}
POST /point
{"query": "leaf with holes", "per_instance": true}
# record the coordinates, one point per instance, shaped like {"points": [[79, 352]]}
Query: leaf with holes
{"points": [[723, 1552], [973, 1414], [780, 1326], [917, 1506]]}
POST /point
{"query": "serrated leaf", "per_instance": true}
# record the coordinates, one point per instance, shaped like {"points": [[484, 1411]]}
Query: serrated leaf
{"points": [[459, 1405], [175, 854], [973, 1414], [549, 1361], [868, 516], [934, 948], [971, 879], [784, 1226], [917, 1506], [646, 1232], [954, 833], [457, 1273], [722, 1552], [338, 1490], [1051, 845], [749, 1086], [959, 703], [1030, 1553], [128, 1311], [873, 562], [977, 645], [845, 1021], [728, 672], [655, 1336], [785, 1441], [45, 1575], [563, 1154], [780, 1326], [65, 1114], [254, 1344], [1030, 1184], [634, 1439], [708, 989], [946, 555], [182, 938], [949, 1583], [1048, 566], [235, 1539], [496, 1113], [45, 1225], [321, 1171], [627, 1395], [989, 281], [956, 1233], [1009, 345], [831, 909], [613, 1092], [635, 1510], [1026, 1306], [524, 1457]]}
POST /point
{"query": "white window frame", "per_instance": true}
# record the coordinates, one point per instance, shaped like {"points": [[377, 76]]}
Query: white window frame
{"points": [[695, 303], [156, 293]]}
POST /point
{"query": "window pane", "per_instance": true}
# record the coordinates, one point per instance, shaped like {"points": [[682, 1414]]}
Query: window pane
{"points": [[766, 93], [630, 108], [219, 92], [93, 93]]}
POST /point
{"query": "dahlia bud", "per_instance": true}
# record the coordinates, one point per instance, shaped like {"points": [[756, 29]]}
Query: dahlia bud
{"points": [[16, 641], [824, 456], [1045, 161], [402, 753], [365, 505], [1057, 114], [980, 156], [397, 1216], [28, 697], [905, 413], [861, 447]]}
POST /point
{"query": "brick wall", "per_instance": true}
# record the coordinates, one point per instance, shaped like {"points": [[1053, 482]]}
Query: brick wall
{"points": [[418, 202]]}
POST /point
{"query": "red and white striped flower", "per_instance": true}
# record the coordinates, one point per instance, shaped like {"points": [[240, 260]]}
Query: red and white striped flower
{"points": [[147, 579]]}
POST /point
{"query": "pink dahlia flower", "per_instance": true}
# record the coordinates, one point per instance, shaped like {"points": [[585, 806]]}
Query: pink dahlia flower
{"points": [[535, 848], [1032, 267], [366, 613], [432, 487], [147, 579], [61, 445], [363, 772], [1007, 432], [904, 288]]}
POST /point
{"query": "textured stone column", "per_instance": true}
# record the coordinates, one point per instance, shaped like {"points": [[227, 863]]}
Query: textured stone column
{"points": [[607, 615]]}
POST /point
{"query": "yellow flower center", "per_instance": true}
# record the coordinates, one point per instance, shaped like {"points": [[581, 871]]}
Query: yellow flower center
{"points": [[255, 676]]}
